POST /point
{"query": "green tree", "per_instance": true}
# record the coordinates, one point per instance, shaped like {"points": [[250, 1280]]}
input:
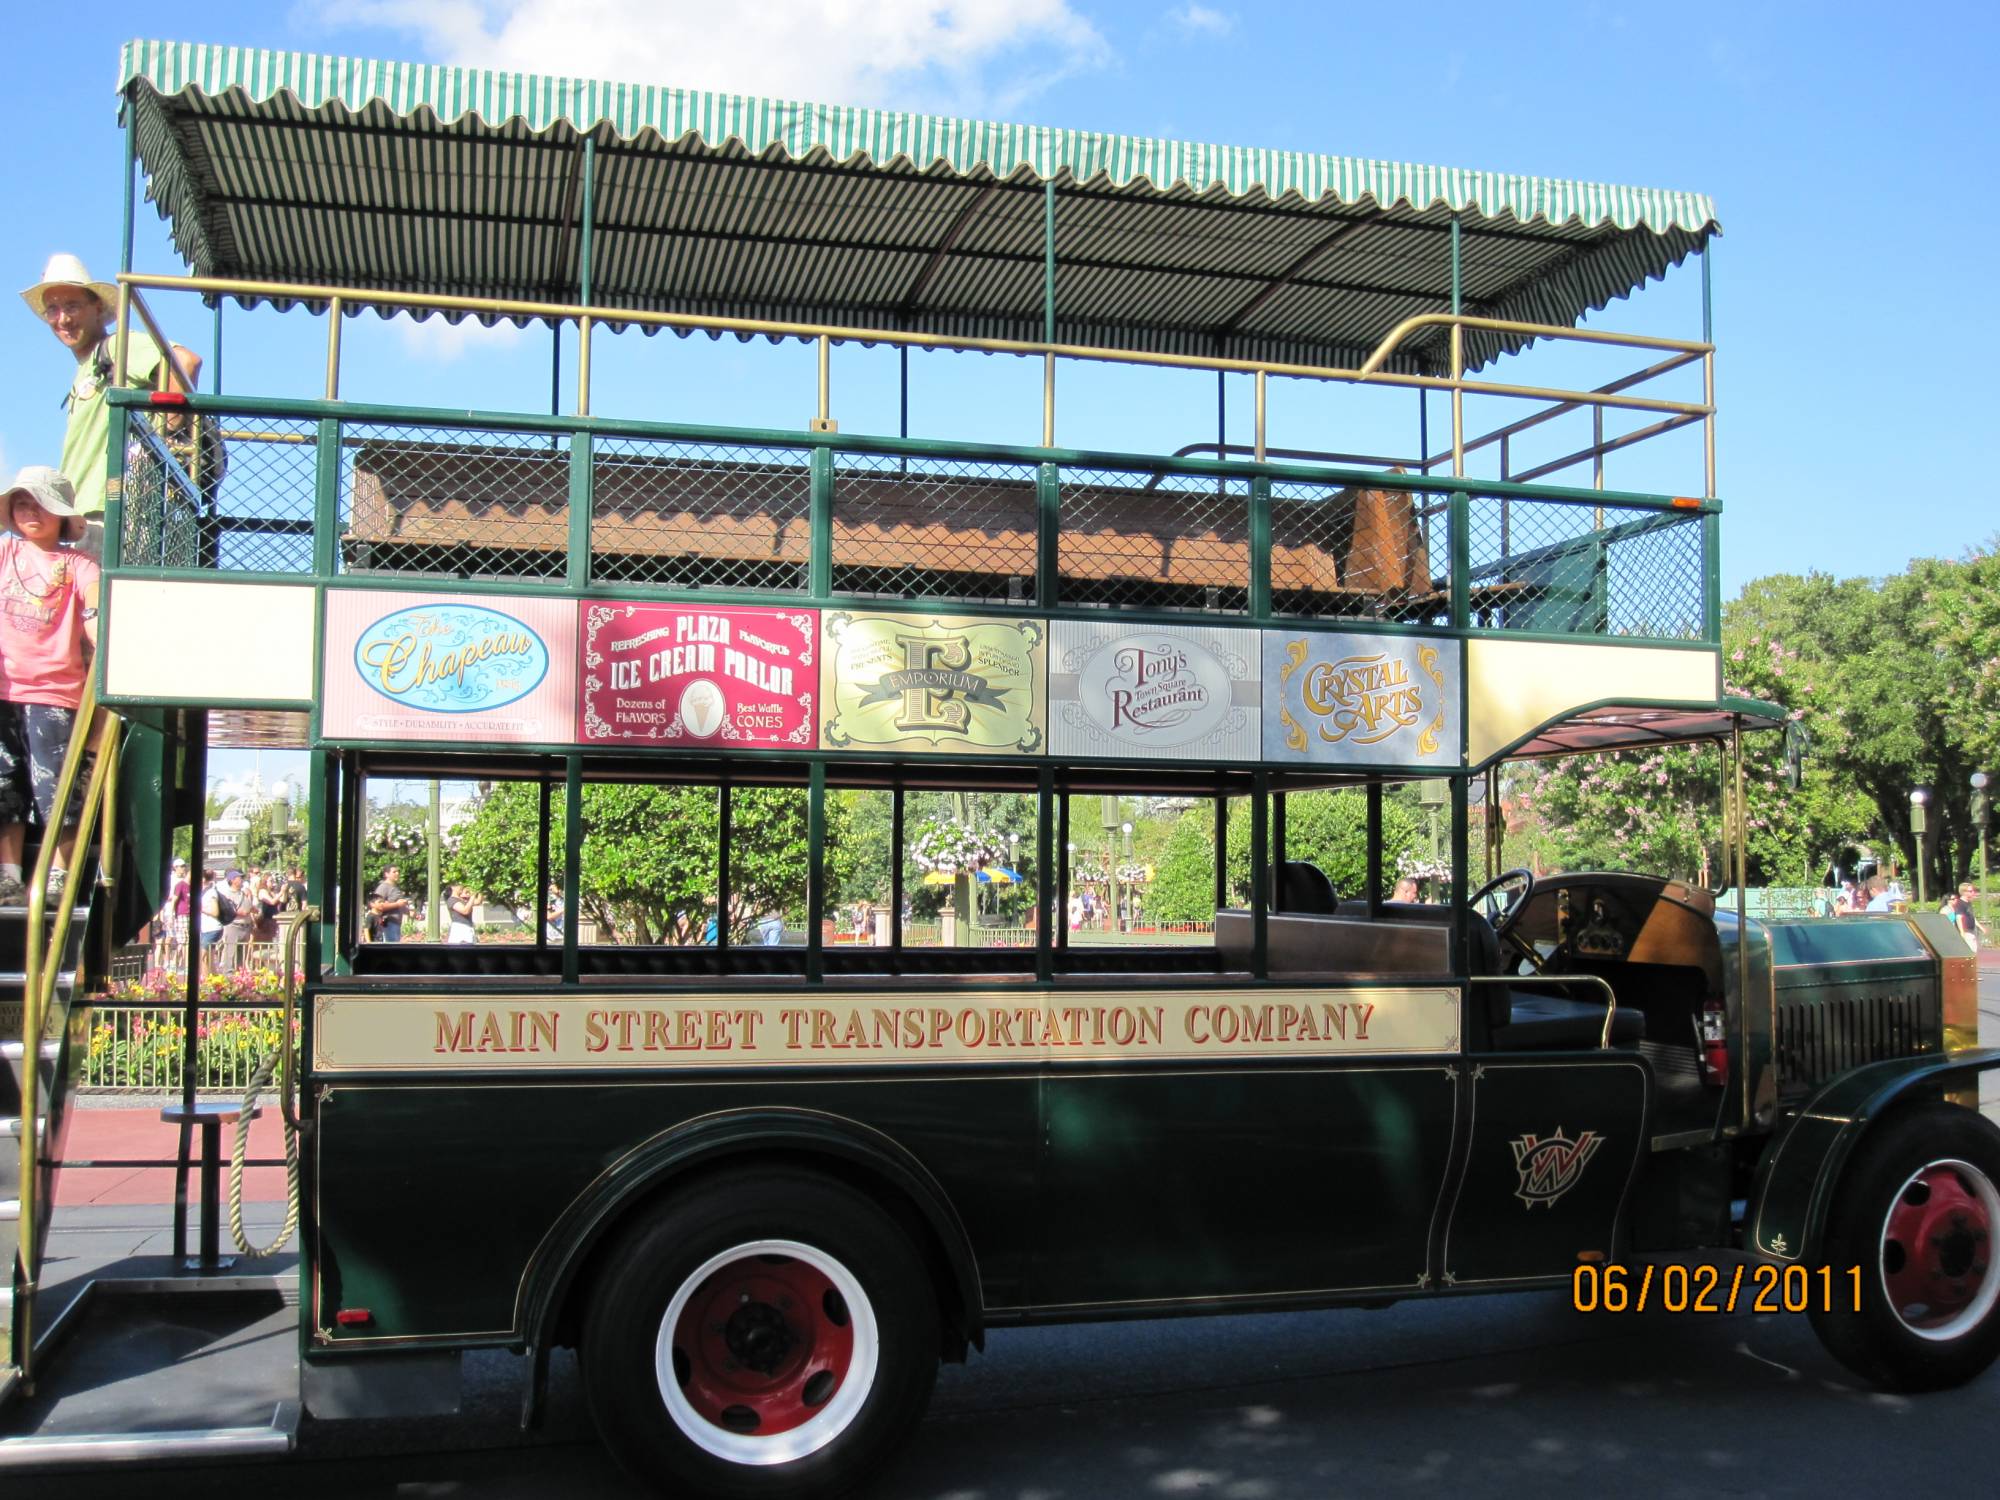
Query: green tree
{"points": [[1870, 668], [650, 870], [1327, 829]]}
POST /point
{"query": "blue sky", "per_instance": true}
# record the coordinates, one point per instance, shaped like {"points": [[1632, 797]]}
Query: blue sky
{"points": [[1847, 149]]}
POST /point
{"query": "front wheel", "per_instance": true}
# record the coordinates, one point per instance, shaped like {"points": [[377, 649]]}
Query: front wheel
{"points": [[768, 1334], [1917, 1210]]}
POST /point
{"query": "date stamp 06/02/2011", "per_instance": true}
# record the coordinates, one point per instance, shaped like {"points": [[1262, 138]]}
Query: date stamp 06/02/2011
{"points": [[1702, 1288]]}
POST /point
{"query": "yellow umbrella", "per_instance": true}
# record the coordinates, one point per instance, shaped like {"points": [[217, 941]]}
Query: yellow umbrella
{"points": [[940, 877]]}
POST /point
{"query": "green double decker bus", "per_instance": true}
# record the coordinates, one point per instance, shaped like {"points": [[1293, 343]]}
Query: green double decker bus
{"points": [[919, 1058]]}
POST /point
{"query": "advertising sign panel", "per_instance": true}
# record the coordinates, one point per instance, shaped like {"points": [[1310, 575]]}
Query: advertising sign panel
{"points": [[933, 682], [1346, 699], [688, 675], [456, 667], [1160, 691]]}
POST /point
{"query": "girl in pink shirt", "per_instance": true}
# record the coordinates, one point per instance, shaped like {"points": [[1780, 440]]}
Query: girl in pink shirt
{"points": [[48, 613]]}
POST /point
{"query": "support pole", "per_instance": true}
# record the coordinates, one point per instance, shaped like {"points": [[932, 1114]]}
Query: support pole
{"points": [[131, 113], [572, 863], [215, 360], [1260, 874], [1049, 312], [540, 905], [1374, 849], [586, 246], [433, 873], [334, 310], [1047, 921], [816, 871], [1708, 366]]}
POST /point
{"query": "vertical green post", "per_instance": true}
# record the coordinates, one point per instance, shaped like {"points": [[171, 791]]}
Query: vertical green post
{"points": [[725, 818], [1707, 293], [1221, 847], [572, 863], [433, 870], [896, 850], [215, 355], [322, 868], [1458, 510], [819, 575], [1711, 583], [816, 871], [1049, 261], [1260, 874], [1374, 849], [1461, 856], [131, 112], [540, 905], [350, 899], [326, 499], [582, 492], [585, 244], [1048, 535], [1260, 548], [1048, 915]]}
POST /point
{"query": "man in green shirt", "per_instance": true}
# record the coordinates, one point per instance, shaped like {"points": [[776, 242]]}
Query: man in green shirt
{"points": [[79, 312]]}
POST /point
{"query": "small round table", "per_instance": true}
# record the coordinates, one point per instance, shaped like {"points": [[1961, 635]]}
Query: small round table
{"points": [[211, 1115]]}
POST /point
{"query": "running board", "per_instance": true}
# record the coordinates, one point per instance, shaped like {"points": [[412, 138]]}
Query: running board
{"points": [[103, 1449]]}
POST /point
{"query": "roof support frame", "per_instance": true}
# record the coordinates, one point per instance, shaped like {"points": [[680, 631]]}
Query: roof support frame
{"points": [[1025, 258], [1290, 275], [922, 280]]}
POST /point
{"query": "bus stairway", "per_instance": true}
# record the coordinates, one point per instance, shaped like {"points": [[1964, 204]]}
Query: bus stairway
{"points": [[136, 1359]]}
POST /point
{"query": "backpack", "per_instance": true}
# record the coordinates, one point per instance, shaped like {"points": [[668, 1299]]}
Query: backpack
{"points": [[225, 909]]}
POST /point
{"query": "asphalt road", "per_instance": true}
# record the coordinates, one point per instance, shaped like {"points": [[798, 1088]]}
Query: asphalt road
{"points": [[1505, 1396]]}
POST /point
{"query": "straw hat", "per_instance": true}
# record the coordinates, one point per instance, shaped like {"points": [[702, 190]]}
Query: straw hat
{"points": [[68, 270], [48, 488]]}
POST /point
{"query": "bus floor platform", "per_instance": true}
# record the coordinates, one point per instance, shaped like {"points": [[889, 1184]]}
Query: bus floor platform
{"points": [[144, 1361]]}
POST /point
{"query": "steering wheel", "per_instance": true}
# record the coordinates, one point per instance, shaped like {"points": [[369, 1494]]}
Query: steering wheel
{"points": [[1518, 885]]}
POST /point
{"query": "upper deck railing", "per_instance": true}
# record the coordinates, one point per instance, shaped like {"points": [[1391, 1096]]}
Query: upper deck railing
{"points": [[340, 491]]}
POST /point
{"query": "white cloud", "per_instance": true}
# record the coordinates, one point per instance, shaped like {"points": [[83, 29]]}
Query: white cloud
{"points": [[438, 342], [955, 54], [1193, 19]]}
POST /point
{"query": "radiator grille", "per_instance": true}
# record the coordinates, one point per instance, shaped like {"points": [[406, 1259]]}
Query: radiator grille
{"points": [[1820, 1039]]}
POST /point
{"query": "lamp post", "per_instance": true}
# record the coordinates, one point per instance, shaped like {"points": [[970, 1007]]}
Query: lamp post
{"points": [[1919, 799], [1981, 810]]}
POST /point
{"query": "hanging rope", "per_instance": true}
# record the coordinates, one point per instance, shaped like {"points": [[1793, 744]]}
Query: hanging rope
{"points": [[258, 1082]]}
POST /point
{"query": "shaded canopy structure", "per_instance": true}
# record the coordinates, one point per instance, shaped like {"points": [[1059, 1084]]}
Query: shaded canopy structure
{"points": [[285, 167]]}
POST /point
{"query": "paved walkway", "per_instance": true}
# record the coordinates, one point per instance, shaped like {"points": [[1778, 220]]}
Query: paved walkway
{"points": [[126, 1133]]}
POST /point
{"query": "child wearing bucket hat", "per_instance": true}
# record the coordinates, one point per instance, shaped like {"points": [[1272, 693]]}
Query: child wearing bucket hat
{"points": [[48, 615]]}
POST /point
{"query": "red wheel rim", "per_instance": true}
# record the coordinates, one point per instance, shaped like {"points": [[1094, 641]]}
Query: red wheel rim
{"points": [[1937, 1247], [762, 1345]]}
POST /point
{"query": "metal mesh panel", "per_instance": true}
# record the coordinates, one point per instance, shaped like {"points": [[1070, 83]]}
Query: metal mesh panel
{"points": [[219, 493], [161, 504], [1134, 540], [1347, 553], [1585, 570], [442, 501], [920, 528], [701, 515], [1656, 577]]}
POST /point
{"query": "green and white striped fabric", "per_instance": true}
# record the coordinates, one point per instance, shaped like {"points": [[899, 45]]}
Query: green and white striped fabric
{"points": [[290, 167]]}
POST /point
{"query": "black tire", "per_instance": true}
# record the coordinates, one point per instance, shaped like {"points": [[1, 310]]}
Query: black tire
{"points": [[1916, 1210], [684, 1412]]}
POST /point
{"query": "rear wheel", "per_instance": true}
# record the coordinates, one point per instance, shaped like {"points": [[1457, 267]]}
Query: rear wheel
{"points": [[773, 1333], [1916, 1211]]}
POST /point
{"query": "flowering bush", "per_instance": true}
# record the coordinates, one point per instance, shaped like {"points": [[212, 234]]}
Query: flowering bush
{"points": [[948, 846], [138, 1037]]}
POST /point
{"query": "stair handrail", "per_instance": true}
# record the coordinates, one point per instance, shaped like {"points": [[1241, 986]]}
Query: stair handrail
{"points": [[39, 975]]}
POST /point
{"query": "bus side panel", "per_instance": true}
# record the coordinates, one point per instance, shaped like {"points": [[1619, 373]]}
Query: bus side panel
{"points": [[432, 1200], [1170, 1184]]}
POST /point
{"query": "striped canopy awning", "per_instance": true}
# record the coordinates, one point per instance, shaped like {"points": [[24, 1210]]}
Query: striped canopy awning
{"points": [[286, 167]]}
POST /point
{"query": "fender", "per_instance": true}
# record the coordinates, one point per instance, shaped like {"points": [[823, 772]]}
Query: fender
{"points": [[713, 1140], [1796, 1178]]}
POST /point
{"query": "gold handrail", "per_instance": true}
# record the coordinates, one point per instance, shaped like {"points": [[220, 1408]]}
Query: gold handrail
{"points": [[1370, 371], [39, 978], [1610, 995]]}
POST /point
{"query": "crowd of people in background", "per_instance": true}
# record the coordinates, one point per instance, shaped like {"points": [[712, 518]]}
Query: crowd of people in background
{"points": [[230, 912]]}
